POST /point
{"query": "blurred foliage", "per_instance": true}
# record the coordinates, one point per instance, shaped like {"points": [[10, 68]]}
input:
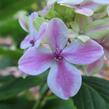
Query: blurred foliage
{"points": [[9, 26], [8, 17], [94, 93]]}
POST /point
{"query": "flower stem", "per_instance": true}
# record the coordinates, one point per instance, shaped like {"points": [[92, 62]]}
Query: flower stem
{"points": [[43, 91]]}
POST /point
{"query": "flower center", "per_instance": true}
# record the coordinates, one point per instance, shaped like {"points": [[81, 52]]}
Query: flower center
{"points": [[32, 42], [58, 56]]}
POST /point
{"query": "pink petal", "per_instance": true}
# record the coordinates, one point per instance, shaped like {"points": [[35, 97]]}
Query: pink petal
{"points": [[95, 67], [83, 53], [57, 34], [32, 17], [35, 61], [28, 41], [64, 80], [84, 11]]}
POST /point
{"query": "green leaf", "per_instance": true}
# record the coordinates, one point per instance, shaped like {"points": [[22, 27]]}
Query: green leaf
{"points": [[59, 104], [92, 97], [88, 98], [17, 103], [13, 88], [6, 79], [100, 85]]}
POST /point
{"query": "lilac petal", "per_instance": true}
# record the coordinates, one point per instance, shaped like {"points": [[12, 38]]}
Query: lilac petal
{"points": [[64, 80], [95, 67], [41, 34], [32, 17], [23, 23], [101, 1], [57, 34], [70, 1], [83, 53], [84, 11], [35, 61], [28, 41], [34, 39]]}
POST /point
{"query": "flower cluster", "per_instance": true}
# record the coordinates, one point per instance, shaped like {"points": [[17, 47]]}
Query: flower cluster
{"points": [[84, 7], [51, 47]]}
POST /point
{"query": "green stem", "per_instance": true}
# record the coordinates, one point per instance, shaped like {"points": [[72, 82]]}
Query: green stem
{"points": [[43, 92]]}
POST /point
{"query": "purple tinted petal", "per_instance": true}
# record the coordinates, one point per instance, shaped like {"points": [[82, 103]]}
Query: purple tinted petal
{"points": [[29, 41], [42, 31], [34, 39], [84, 11], [64, 80], [35, 61], [57, 34], [83, 53], [95, 67], [32, 17]]}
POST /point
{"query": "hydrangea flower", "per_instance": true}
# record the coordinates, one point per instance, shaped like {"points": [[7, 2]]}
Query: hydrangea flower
{"points": [[34, 37], [83, 7], [64, 79]]}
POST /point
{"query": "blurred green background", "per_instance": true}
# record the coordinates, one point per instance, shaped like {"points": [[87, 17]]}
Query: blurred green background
{"points": [[11, 33]]}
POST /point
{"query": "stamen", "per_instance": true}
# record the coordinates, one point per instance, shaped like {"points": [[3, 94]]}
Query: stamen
{"points": [[32, 42]]}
